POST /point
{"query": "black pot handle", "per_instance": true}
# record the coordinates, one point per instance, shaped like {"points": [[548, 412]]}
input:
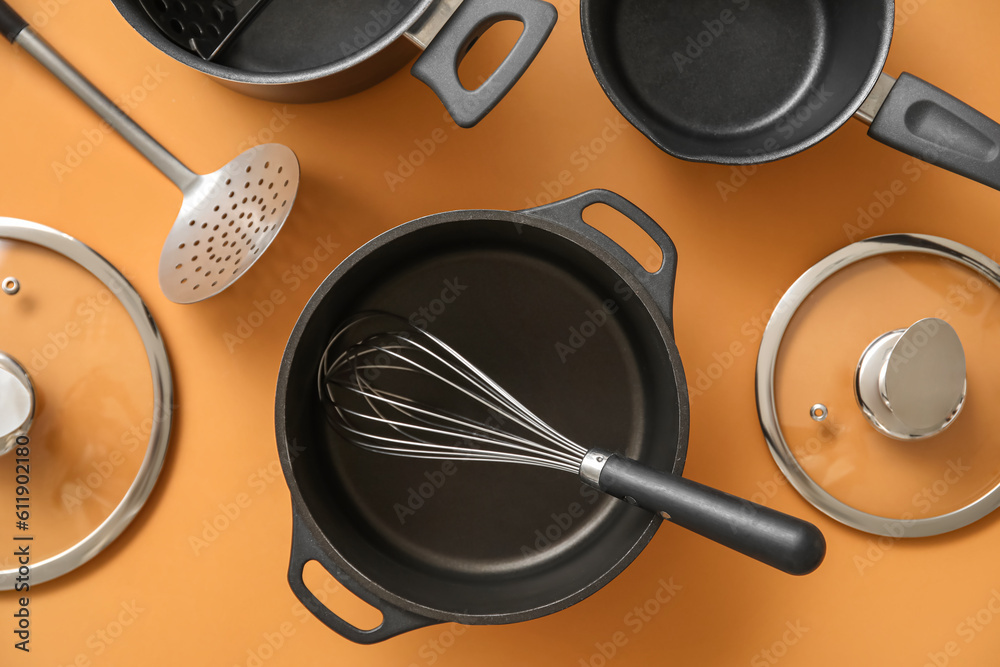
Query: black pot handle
{"points": [[438, 65], [924, 121], [395, 621], [569, 213]]}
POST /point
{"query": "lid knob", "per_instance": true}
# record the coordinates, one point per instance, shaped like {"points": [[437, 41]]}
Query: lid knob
{"points": [[911, 383], [17, 402]]}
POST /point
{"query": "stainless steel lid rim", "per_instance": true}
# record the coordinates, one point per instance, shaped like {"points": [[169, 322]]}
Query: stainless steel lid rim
{"points": [[766, 403], [162, 386]]}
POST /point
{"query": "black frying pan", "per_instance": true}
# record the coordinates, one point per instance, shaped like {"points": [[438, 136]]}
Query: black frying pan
{"points": [[568, 322], [747, 81]]}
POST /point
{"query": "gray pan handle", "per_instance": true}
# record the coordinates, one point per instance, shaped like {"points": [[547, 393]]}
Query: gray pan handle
{"points": [[395, 621], [924, 121], [438, 65], [569, 213]]}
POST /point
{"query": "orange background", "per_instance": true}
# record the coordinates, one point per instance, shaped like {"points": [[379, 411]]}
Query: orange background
{"points": [[218, 607]]}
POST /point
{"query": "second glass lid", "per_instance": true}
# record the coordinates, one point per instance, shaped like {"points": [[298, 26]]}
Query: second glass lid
{"points": [[876, 385]]}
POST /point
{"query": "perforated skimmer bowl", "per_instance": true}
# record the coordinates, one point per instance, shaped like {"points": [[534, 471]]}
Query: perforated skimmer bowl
{"points": [[228, 218]]}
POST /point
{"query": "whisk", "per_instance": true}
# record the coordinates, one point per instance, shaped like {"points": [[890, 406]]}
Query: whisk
{"points": [[392, 388]]}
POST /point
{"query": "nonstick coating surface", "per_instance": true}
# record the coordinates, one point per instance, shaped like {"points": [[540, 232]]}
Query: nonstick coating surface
{"points": [[490, 542], [726, 80], [296, 35]]}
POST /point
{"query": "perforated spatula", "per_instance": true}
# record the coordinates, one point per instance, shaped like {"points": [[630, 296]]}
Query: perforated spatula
{"points": [[201, 26], [227, 219]]}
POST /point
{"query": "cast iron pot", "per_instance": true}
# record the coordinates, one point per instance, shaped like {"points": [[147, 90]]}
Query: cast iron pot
{"points": [[564, 319], [748, 81], [315, 50]]}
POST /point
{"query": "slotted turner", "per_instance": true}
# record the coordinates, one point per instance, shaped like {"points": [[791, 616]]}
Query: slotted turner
{"points": [[201, 26], [227, 219]]}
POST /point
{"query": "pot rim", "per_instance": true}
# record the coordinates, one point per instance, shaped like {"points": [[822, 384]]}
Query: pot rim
{"points": [[143, 25]]}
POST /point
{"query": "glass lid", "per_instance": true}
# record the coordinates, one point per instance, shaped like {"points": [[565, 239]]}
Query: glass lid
{"points": [[877, 378], [85, 397]]}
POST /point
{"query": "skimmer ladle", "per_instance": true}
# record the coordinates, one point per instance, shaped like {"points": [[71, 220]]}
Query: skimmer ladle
{"points": [[227, 219]]}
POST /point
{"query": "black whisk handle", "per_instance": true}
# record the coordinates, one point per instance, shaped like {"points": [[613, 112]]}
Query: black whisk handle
{"points": [[779, 540], [11, 23]]}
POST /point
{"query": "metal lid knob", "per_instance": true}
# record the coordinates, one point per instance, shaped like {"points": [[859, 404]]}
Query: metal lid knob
{"points": [[17, 402], [911, 383]]}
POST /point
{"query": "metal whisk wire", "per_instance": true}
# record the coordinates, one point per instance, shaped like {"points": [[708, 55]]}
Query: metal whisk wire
{"points": [[355, 383]]}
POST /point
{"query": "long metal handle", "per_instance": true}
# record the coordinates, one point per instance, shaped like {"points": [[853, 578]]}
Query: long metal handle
{"points": [[161, 158]]}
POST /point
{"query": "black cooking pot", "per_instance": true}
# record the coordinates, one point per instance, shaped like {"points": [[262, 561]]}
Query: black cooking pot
{"points": [[315, 50], [564, 319], [747, 81]]}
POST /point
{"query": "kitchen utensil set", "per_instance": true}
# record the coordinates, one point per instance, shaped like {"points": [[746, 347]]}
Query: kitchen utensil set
{"points": [[373, 397]]}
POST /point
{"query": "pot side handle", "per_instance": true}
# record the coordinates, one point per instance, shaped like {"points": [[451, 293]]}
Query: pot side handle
{"points": [[924, 121], [438, 64], [569, 213], [395, 621]]}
